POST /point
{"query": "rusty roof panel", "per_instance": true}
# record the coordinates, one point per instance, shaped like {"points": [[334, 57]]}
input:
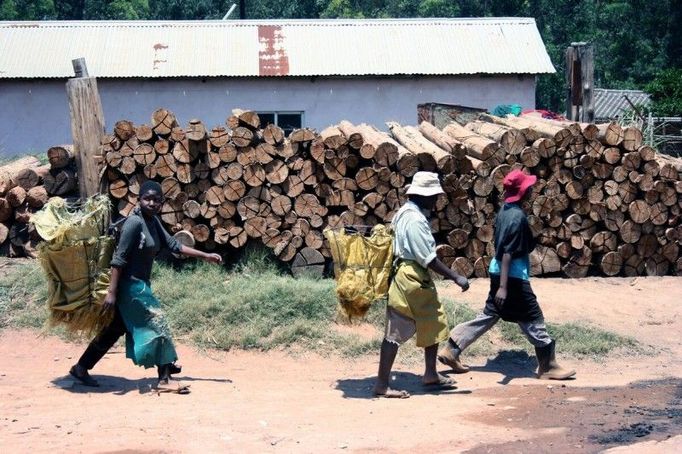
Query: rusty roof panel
{"points": [[273, 48]]}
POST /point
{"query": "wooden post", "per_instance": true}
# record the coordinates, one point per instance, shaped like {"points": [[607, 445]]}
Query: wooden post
{"points": [[586, 55], [580, 82], [87, 126], [572, 81]]}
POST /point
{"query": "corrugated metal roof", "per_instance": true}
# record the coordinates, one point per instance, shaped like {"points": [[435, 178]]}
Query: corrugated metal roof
{"points": [[273, 48], [611, 104]]}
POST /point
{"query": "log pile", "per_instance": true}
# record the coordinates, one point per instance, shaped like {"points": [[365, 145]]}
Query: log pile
{"points": [[604, 203], [25, 186], [239, 182]]}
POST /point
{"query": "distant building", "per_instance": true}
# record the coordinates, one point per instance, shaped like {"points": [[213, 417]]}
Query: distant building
{"points": [[612, 104], [294, 72]]}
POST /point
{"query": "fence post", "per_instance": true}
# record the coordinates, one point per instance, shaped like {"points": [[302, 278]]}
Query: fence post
{"points": [[87, 126]]}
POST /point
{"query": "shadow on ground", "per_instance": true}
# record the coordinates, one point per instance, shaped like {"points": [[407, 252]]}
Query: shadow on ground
{"points": [[362, 388], [511, 364], [589, 420], [120, 385]]}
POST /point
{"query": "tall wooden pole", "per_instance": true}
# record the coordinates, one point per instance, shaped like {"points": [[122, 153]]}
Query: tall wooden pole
{"points": [[580, 82], [87, 126], [586, 55]]}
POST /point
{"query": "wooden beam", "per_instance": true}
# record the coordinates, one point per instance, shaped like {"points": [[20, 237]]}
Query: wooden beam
{"points": [[87, 127]]}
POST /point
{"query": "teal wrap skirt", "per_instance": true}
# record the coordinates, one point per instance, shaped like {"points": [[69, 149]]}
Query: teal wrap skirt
{"points": [[148, 340]]}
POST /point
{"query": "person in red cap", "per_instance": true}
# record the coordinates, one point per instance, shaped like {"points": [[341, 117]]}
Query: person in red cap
{"points": [[511, 297]]}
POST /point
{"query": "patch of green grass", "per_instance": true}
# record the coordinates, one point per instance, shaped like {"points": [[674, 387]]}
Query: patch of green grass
{"points": [[261, 310], [23, 292], [255, 306]]}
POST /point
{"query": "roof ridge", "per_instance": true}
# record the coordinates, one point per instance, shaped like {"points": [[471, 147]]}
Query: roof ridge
{"points": [[614, 90], [252, 22]]}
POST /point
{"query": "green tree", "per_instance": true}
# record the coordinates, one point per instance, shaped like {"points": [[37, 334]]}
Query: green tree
{"points": [[666, 93], [189, 10], [117, 10], [27, 10]]}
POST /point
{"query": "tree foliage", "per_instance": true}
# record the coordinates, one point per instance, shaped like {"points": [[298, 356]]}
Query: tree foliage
{"points": [[634, 40], [666, 93]]}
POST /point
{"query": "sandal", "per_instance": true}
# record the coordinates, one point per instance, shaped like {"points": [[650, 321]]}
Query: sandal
{"points": [[172, 387]]}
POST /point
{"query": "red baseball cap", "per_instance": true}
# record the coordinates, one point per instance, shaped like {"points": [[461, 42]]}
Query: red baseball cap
{"points": [[516, 183]]}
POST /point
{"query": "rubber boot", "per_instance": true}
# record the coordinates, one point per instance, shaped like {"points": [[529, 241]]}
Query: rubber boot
{"points": [[548, 368], [449, 355], [164, 373]]}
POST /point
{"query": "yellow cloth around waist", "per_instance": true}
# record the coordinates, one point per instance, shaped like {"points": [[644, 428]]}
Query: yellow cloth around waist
{"points": [[413, 294]]}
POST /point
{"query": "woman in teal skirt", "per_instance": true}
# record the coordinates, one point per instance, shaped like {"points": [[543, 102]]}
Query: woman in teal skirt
{"points": [[137, 312]]}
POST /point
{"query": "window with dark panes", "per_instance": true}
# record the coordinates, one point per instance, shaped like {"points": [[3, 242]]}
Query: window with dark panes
{"points": [[266, 118], [288, 121]]}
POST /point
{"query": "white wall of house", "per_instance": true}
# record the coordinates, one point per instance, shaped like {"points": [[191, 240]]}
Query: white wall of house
{"points": [[34, 114]]}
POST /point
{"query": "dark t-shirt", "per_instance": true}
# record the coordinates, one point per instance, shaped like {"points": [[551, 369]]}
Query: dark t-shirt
{"points": [[513, 237], [512, 233], [140, 242]]}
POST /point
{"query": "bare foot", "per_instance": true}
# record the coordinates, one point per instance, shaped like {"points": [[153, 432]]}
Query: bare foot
{"points": [[439, 381], [385, 391]]}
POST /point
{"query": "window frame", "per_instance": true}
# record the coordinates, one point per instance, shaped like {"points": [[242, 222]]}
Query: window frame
{"points": [[277, 113]]}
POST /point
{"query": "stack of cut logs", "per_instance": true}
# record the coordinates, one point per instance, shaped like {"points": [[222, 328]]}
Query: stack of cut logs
{"points": [[25, 186], [604, 203]]}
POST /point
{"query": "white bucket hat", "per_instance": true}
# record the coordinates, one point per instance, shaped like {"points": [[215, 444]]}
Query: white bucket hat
{"points": [[425, 184]]}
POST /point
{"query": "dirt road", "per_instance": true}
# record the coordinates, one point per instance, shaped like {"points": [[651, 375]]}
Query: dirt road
{"points": [[275, 402]]}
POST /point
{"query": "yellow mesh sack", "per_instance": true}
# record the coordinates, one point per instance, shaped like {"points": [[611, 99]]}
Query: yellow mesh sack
{"points": [[362, 267], [75, 258]]}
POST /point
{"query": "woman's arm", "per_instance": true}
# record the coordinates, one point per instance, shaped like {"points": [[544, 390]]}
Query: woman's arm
{"points": [[191, 252], [175, 246], [110, 299]]}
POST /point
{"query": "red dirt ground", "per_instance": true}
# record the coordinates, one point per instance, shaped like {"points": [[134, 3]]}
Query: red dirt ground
{"points": [[278, 402]]}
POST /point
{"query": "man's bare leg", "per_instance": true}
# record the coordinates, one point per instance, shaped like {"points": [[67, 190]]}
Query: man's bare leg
{"points": [[389, 350], [431, 375]]}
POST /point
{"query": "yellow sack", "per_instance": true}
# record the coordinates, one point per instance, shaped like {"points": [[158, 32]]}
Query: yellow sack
{"points": [[75, 258], [362, 267]]}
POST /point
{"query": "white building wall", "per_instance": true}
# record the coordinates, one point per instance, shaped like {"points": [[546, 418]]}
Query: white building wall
{"points": [[34, 115]]}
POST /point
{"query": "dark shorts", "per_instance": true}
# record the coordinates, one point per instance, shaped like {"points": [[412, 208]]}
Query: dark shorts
{"points": [[521, 304]]}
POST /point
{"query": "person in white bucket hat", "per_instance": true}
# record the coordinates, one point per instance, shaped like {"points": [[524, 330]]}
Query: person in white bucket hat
{"points": [[413, 305]]}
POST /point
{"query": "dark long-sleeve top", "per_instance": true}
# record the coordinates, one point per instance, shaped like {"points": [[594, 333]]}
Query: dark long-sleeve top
{"points": [[140, 242]]}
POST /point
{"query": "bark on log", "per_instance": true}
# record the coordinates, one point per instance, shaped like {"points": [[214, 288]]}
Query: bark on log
{"points": [[60, 156], [512, 140], [478, 146], [445, 141]]}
